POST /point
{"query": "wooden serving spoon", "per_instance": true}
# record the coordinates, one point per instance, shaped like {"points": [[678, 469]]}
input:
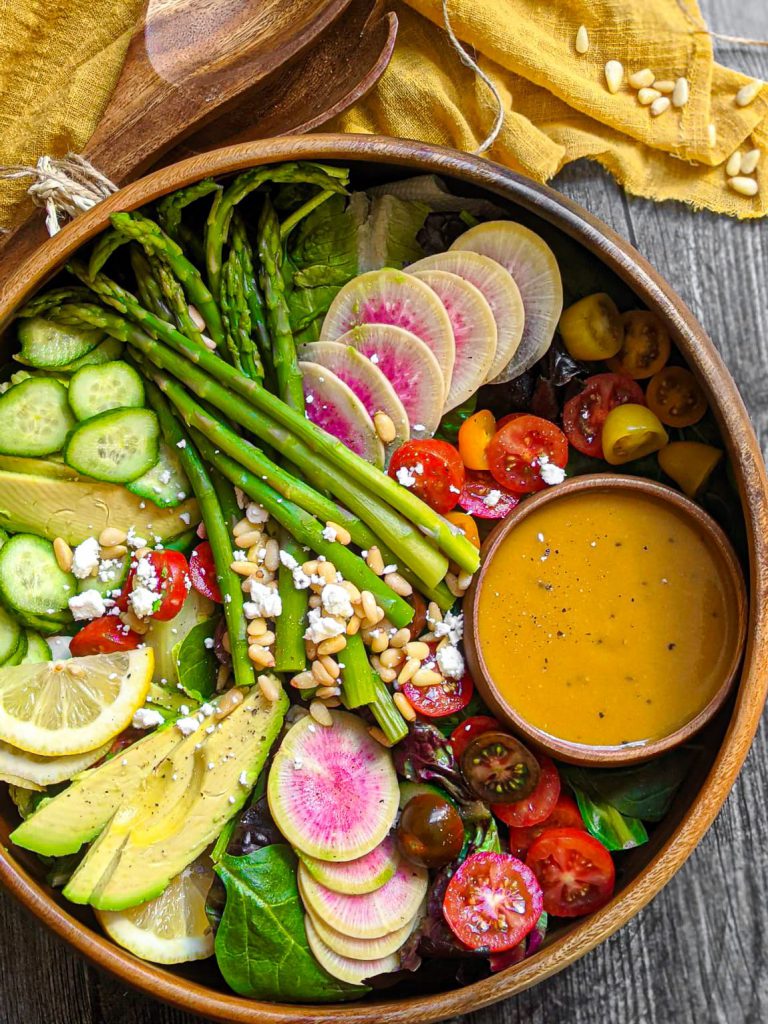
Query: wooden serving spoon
{"points": [[192, 61]]}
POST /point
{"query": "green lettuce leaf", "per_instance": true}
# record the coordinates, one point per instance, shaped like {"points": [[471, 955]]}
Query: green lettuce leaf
{"points": [[197, 665], [614, 830]]}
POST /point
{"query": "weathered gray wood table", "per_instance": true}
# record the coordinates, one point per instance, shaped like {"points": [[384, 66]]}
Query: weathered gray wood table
{"points": [[698, 953]]}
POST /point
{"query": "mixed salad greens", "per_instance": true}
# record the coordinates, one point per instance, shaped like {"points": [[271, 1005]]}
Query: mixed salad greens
{"points": [[260, 429]]}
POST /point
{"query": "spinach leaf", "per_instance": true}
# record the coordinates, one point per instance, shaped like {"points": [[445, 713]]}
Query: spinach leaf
{"points": [[261, 945], [614, 830], [448, 430], [196, 665], [643, 791]]}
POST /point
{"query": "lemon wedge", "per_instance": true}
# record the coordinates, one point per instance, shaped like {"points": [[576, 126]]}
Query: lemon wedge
{"points": [[68, 707], [172, 928], [32, 769]]}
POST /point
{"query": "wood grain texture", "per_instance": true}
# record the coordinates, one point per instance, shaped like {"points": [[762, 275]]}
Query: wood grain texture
{"points": [[697, 954]]}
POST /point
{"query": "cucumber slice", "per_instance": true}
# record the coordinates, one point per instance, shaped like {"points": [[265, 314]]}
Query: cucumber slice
{"points": [[164, 482], [96, 389], [19, 653], [31, 581], [105, 352], [37, 650], [61, 623], [118, 574], [10, 633], [34, 417], [116, 446], [46, 344]]}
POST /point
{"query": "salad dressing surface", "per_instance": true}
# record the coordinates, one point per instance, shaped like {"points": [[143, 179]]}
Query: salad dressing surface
{"points": [[606, 618]]}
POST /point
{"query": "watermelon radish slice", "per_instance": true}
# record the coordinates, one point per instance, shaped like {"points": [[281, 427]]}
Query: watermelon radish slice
{"points": [[500, 291], [532, 264], [410, 368], [366, 949], [356, 877], [375, 913], [354, 972], [332, 405], [333, 790], [364, 378], [393, 297], [474, 332]]}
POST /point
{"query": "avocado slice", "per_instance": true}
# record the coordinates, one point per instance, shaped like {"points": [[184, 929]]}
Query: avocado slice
{"points": [[180, 807], [62, 824], [76, 509], [38, 467]]}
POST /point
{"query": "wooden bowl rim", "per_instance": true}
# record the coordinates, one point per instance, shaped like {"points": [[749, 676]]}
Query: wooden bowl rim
{"points": [[749, 469], [594, 754]]}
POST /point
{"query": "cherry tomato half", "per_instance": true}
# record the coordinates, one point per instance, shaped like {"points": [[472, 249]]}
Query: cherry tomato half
{"points": [[584, 414], [565, 814], [592, 328], [475, 435], [631, 432], [171, 570], [676, 398], [430, 832], [467, 730], [483, 498], [103, 636], [574, 869], [445, 698], [538, 804], [202, 572], [498, 767], [492, 902], [436, 469], [646, 346], [516, 453], [466, 524]]}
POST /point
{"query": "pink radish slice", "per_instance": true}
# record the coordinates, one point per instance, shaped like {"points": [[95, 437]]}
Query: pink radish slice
{"points": [[393, 297], [364, 378], [500, 292], [332, 405], [372, 915], [354, 972], [366, 949], [410, 368], [359, 876], [333, 790], [532, 264], [474, 332]]}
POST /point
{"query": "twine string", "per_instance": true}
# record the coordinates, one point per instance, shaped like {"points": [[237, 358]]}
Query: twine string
{"points": [[63, 187]]}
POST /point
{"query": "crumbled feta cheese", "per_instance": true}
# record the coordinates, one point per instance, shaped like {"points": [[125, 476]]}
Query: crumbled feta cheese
{"points": [[336, 601], [256, 513], [133, 541], [181, 444], [405, 476], [551, 474], [165, 476], [374, 358], [492, 498], [288, 560], [419, 428], [142, 601], [185, 517], [300, 579], [108, 569], [298, 764], [266, 601], [88, 605], [388, 569], [241, 497], [450, 662], [239, 555], [59, 647], [208, 643], [207, 709], [452, 626], [243, 778], [329, 534], [183, 709], [322, 628], [85, 558], [147, 718]]}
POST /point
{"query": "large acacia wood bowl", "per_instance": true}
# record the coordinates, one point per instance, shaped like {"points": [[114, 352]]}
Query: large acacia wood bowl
{"points": [[642, 872]]}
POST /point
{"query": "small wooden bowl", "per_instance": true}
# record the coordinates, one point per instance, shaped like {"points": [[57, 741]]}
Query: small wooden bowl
{"points": [[588, 754]]}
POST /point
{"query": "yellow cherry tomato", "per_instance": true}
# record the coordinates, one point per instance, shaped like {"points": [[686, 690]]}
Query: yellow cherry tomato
{"points": [[475, 435], [591, 328], [466, 524], [690, 464], [646, 346], [676, 398], [630, 432]]}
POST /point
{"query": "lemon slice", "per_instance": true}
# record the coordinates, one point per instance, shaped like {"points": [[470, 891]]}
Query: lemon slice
{"points": [[69, 707], [172, 928]]}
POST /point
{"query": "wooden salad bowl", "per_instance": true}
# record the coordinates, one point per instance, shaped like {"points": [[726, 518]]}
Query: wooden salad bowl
{"points": [[584, 245]]}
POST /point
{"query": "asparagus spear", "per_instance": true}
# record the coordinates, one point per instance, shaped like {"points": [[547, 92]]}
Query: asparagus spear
{"points": [[242, 253], [170, 208], [236, 283], [332, 179], [175, 299], [149, 290], [452, 542], [309, 532], [303, 211], [218, 534], [358, 686], [392, 723]]}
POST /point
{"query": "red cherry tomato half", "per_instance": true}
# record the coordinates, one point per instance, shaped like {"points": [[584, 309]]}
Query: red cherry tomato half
{"points": [[565, 814], [574, 869], [202, 572], [103, 636], [436, 469], [539, 804], [467, 730], [444, 699], [478, 489], [516, 452], [171, 570], [492, 902], [584, 414]]}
